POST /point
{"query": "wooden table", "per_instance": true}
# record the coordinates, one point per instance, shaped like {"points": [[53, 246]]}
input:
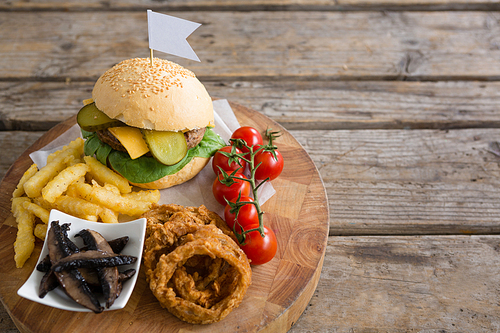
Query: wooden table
{"points": [[397, 103]]}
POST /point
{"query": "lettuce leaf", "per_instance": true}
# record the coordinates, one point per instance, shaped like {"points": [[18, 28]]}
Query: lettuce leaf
{"points": [[147, 169], [94, 146]]}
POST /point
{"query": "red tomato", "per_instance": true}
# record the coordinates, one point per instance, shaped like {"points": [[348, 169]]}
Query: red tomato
{"points": [[227, 164], [247, 214], [222, 191], [258, 249], [271, 167], [250, 135]]}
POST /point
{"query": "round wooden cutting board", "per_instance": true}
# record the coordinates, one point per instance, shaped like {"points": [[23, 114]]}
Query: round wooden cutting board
{"points": [[280, 290]]}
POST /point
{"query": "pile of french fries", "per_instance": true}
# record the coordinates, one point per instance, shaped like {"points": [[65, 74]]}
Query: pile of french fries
{"points": [[77, 185]]}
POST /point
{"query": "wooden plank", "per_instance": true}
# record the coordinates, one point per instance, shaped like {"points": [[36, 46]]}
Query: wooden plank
{"points": [[397, 181], [400, 283], [296, 105], [13, 144], [408, 182], [406, 284], [40, 105], [283, 45], [403, 283], [252, 5], [313, 105], [6, 323]]}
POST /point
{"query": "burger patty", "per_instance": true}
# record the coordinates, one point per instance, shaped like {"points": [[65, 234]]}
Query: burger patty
{"points": [[106, 137], [193, 138]]}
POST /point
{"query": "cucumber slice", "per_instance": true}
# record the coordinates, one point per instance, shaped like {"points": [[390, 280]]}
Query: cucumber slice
{"points": [[91, 119], [167, 147]]}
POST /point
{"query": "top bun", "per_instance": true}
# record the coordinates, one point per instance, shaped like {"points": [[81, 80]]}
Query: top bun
{"points": [[164, 96]]}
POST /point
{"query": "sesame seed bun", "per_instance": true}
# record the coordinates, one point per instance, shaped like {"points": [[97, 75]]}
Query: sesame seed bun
{"points": [[189, 171], [164, 96]]}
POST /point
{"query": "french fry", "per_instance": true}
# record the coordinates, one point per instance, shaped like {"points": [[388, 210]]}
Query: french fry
{"points": [[152, 196], [59, 184], [80, 190], [19, 191], [37, 210], [76, 206], [51, 157], [17, 205], [74, 184], [118, 203], [108, 216], [91, 218], [25, 239], [109, 187], [40, 231], [104, 175], [76, 144], [74, 161], [33, 186], [42, 203], [72, 192]]}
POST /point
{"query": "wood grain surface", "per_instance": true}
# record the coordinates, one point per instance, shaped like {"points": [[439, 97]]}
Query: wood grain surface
{"points": [[295, 105], [326, 45], [280, 290], [395, 101], [247, 5], [407, 284]]}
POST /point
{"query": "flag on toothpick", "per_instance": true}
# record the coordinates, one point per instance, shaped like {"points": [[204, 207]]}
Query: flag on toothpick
{"points": [[168, 34]]}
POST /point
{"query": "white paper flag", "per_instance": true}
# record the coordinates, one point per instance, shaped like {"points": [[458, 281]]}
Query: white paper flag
{"points": [[168, 34]]}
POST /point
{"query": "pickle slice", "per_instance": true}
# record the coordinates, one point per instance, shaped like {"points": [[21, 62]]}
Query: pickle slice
{"points": [[167, 147], [91, 119]]}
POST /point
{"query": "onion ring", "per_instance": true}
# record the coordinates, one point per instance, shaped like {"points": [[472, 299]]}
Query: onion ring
{"points": [[195, 269]]}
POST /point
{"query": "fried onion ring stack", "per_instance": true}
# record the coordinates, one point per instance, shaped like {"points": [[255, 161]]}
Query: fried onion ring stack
{"points": [[193, 265]]}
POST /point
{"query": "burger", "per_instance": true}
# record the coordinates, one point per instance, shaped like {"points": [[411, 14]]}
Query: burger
{"points": [[150, 121]]}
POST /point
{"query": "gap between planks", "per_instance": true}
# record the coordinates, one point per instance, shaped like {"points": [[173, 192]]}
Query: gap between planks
{"points": [[250, 5]]}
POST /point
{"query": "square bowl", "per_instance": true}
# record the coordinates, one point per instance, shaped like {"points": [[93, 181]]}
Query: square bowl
{"points": [[57, 298]]}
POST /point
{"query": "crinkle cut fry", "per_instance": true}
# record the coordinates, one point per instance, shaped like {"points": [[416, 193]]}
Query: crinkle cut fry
{"points": [[188, 311]]}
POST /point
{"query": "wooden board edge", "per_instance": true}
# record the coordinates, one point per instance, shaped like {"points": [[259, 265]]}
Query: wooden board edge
{"points": [[23, 162], [290, 316], [285, 321]]}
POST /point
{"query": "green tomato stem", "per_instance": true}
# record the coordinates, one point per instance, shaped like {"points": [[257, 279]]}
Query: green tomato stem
{"points": [[252, 167], [254, 187]]}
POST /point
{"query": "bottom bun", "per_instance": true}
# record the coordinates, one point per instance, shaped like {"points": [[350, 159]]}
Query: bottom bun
{"points": [[189, 171]]}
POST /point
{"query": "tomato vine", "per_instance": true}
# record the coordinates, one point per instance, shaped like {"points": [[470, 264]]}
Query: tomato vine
{"points": [[247, 155]]}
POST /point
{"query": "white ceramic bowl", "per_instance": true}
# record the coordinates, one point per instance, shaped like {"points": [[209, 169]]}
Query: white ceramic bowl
{"points": [[56, 298]]}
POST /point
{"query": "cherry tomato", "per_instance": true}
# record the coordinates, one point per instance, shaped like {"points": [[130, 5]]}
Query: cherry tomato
{"points": [[247, 214], [224, 162], [271, 167], [222, 192], [258, 249], [248, 134]]}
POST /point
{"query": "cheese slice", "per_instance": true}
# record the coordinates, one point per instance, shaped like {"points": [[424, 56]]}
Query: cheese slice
{"points": [[131, 138], [88, 101]]}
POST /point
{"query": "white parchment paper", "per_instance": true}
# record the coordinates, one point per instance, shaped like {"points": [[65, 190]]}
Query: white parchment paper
{"points": [[197, 191]]}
